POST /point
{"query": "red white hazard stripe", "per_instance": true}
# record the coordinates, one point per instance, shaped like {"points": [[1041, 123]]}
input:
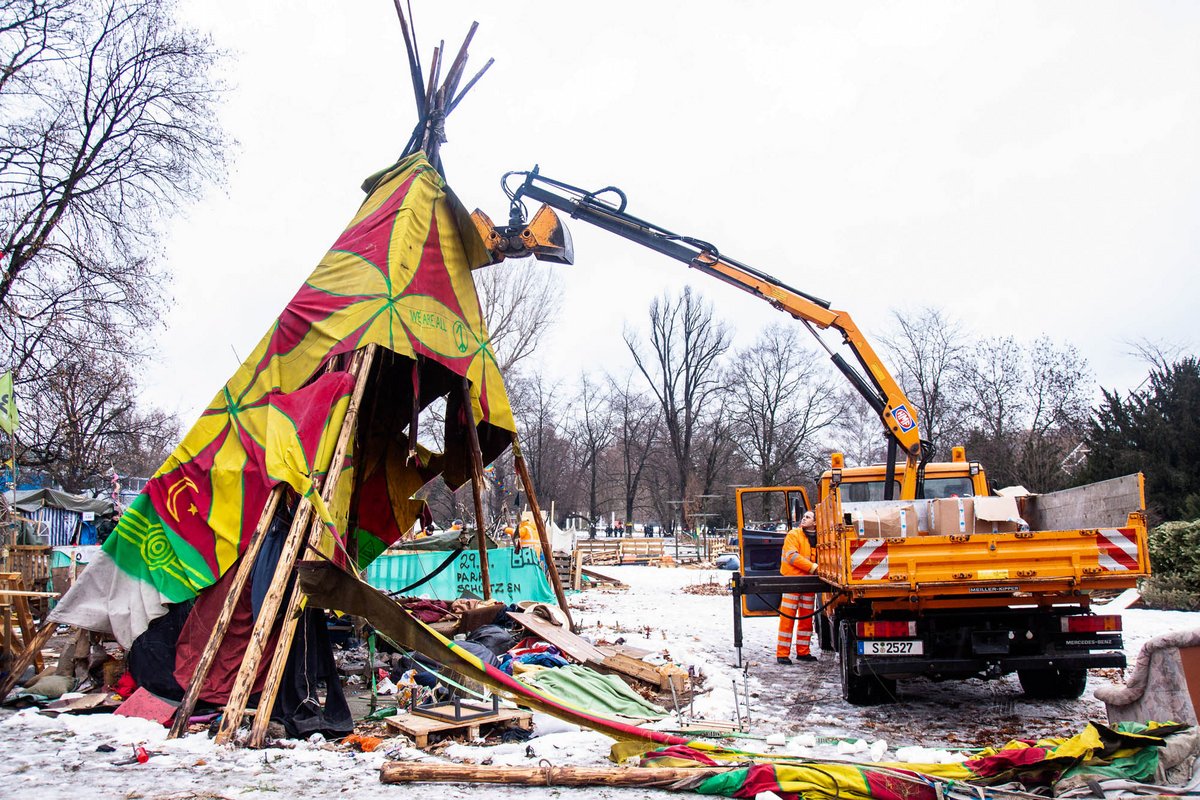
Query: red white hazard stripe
{"points": [[1118, 549], [869, 559]]}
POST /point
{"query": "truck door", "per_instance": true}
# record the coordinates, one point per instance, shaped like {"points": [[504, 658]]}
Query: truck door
{"points": [[765, 515]]}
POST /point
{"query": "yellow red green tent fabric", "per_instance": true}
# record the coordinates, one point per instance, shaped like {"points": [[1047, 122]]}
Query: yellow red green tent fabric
{"points": [[399, 276]]}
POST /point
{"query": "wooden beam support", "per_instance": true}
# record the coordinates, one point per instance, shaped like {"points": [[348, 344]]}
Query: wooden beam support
{"points": [[477, 488], [540, 524], [209, 655], [291, 613], [32, 650], [640, 777]]}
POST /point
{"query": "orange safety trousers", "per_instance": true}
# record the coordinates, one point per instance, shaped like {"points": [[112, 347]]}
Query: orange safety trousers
{"points": [[795, 605]]}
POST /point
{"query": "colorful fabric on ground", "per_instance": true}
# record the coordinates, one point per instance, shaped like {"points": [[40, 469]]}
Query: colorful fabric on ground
{"points": [[1129, 751], [398, 277]]}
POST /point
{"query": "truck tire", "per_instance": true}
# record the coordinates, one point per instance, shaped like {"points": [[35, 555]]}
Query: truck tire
{"points": [[860, 690], [1052, 683]]}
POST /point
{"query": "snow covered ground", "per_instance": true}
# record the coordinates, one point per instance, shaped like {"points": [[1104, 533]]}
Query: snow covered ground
{"points": [[56, 758]]}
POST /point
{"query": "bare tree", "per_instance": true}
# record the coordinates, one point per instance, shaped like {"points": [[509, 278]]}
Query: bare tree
{"points": [[1027, 406], [544, 443], [521, 300], [637, 422], [593, 431], [107, 124], [857, 432], [682, 367], [86, 424], [1158, 354], [927, 348], [780, 398]]}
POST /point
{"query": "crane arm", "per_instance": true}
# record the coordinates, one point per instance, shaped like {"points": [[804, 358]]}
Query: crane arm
{"points": [[877, 385]]}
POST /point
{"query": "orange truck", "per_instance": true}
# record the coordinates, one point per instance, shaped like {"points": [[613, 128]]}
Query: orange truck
{"points": [[959, 584], [922, 568]]}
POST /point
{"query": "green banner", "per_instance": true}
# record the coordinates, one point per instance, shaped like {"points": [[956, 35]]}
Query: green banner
{"points": [[515, 575], [8, 404]]}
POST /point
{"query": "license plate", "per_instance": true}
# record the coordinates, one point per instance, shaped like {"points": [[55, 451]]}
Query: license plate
{"points": [[891, 647]]}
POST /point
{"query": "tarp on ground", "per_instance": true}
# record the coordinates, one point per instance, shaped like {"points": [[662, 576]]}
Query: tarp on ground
{"points": [[398, 277], [515, 575]]}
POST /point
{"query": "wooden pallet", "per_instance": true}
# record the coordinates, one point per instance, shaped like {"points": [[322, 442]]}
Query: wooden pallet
{"points": [[421, 728]]}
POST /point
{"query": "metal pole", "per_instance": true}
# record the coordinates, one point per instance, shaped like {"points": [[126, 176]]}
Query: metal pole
{"points": [[539, 523]]}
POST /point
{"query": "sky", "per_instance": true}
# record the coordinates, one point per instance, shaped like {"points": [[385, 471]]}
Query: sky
{"points": [[1031, 168]]}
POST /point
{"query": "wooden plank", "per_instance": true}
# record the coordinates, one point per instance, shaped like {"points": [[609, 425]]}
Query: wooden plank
{"points": [[28, 632], [567, 643], [600, 577], [577, 571], [420, 727], [624, 649], [638, 777], [626, 665], [477, 488], [31, 651]]}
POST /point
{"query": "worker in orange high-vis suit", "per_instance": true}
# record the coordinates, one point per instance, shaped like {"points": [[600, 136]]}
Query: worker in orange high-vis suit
{"points": [[799, 557]]}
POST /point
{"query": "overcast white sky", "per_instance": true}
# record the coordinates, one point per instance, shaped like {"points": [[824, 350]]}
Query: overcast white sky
{"points": [[1030, 167]]}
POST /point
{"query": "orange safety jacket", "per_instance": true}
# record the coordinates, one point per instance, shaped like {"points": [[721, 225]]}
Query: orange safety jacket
{"points": [[798, 557]]}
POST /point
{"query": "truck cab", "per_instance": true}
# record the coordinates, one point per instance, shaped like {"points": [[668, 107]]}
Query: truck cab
{"points": [[957, 477]]}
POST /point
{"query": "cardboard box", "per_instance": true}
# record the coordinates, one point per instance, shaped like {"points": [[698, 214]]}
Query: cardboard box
{"points": [[997, 515], [952, 516], [888, 522]]}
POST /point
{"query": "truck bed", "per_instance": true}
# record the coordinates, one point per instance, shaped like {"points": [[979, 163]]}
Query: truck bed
{"points": [[1090, 545]]}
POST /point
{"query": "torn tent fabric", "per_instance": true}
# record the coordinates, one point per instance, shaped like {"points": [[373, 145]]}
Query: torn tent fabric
{"points": [[1130, 752], [399, 276]]}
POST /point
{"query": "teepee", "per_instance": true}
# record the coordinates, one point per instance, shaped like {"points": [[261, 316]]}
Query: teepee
{"points": [[311, 448]]}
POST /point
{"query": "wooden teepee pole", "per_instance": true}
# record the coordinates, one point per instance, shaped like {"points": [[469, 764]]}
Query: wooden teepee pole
{"points": [[477, 488], [637, 777], [221, 626], [291, 614], [540, 524], [235, 707]]}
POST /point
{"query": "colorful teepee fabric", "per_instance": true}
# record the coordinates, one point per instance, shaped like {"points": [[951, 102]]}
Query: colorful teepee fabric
{"points": [[399, 277]]}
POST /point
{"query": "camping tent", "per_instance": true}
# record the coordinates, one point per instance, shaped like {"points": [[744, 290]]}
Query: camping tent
{"points": [[67, 518]]}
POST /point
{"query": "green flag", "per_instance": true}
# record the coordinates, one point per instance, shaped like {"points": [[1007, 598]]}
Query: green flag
{"points": [[8, 404]]}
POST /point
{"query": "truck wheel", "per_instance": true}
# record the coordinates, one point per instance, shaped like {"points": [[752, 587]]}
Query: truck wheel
{"points": [[860, 690], [1052, 683]]}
